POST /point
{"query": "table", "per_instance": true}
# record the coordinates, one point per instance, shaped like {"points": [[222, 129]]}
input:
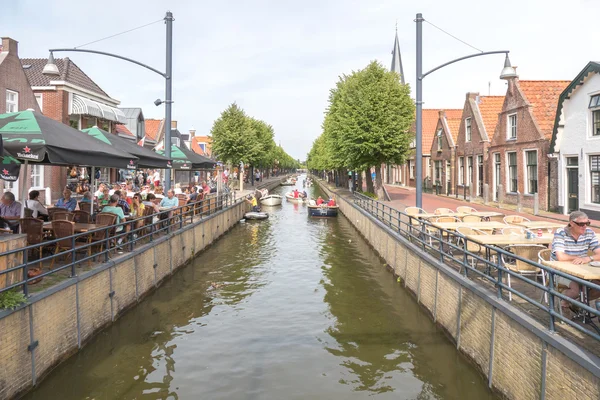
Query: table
{"points": [[484, 226], [78, 226], [540, 224], [483, 214], [505, 240]]}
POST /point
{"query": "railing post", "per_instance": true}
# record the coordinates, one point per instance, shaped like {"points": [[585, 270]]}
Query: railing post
{"points": [[74, 253], [551, 299], [107, 244], [25, 273], [499, 282]]}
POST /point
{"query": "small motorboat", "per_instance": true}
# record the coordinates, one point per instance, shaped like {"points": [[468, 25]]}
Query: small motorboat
{"points": [[256, 215], [271, 200], [290, 197], [322, 210]]}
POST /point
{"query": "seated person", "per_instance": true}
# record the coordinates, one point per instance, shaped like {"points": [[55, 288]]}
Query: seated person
{"points": [[39, 211], [320, 200], [331, 202], [150, 202], [138, 210], [87, 197], [118, 211], [122, 202], [104, 198], [100, 190], [193, 196], [572, 243], [170, 201], [304, 194], [295, 193], [10, 210], [66, 201]]}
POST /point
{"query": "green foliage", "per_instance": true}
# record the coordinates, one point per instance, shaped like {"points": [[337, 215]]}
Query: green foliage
{"points": [[370, 194], [236, 138], [11, 299]]}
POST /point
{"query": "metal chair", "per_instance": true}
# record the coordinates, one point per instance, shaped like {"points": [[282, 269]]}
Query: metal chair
{"points": [[472, 247], [65, 229], [81, 216], [471, 218], [465, 209], [515, 219], [62, 216], [512, 230], [443, 210], [447, 219], [529, 252]]}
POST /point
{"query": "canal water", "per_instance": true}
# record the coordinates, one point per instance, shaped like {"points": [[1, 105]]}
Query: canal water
{"points": [[287, 308]]}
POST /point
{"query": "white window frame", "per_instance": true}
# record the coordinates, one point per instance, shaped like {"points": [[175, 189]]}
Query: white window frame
{"points": [[510, 128], [438, 172], [40, 173], [468, 130], [411, 169], [589, 184], [461, 171], [14, 102], [469, 170], [439, 139], [526, 170], [508, 180], [39, 97], [497, 160]]}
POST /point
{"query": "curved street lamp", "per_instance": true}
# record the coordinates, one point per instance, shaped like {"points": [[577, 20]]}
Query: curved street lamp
{"points": [[51, 69], [507, 72]]}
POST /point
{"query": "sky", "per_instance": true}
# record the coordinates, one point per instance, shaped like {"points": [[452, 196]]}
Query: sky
{"points": [[279, 59]]}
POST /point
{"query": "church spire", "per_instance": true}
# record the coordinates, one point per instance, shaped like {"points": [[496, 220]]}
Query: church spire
{"points": [[397, 58]]}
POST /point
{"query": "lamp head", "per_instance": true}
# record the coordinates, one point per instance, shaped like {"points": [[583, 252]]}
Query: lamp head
{"points": [[158, 102], [50, 68], [508, 72]]}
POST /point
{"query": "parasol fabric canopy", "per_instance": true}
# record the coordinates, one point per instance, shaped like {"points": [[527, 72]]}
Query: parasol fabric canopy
{"points": [[146, 157], [34, 137], [187, 159], [9, 167]]}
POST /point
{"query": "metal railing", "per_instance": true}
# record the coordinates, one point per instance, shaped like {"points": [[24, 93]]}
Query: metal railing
{"points": [[488, 264], [120, 237]]}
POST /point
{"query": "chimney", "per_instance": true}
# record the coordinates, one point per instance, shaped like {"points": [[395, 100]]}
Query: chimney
{"points": [[192, 132], [173, 124], [442, 114], [472, 95], [10, 45]]}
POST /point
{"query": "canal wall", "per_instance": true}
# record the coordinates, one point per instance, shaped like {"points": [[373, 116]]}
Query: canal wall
{"points": [[519, 357], [56, 323]]}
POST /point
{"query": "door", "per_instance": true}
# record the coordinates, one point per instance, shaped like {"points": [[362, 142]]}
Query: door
{"points": [[480, 176], [496, 175], [572, 184]]}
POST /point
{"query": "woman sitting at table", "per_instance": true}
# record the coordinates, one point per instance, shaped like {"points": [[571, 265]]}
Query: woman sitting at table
{"points": [[66, 201], [138, 209], [39, 211], [104, 198], [151, 202], [572, 243]]}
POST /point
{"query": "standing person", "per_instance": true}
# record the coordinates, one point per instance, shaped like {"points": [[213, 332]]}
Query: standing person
{"points": [[573, 243], [67, 202], [10, 210], [156, 178], [39, 211]]}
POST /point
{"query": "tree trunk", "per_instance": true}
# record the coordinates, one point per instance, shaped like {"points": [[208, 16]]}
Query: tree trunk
{"points": [[369, 180], [379, 183], [359, 181]]}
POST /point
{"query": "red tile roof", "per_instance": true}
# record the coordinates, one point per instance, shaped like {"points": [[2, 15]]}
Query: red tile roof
{"points": [[453, 118], [152, 127], [430, 121], [490, 107], [543, 96], [196, 140], [196, 147], [122, 129]]}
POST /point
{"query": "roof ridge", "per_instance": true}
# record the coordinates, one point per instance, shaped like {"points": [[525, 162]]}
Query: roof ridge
{"points": [[87, 76], [64, 74], [543, 80]]}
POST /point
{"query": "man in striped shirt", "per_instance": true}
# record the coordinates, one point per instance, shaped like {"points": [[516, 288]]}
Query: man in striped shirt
{"points": [[572, 243]]}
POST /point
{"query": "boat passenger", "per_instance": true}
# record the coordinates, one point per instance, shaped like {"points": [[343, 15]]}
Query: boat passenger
{"points": [[304, 194], [295, 192], [331, 203], [320, 200], [254, 203]]}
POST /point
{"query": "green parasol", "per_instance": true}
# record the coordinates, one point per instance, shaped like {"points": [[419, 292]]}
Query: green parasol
{"points": [[187, 159]]}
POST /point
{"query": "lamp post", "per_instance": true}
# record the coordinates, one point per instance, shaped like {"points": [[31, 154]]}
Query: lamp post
{"points": [[51, 69], [507, 72]]}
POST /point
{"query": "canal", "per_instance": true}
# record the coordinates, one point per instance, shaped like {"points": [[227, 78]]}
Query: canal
{"points": [[287, 308]]}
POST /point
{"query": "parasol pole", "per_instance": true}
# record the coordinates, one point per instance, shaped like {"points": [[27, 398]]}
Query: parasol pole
{"points": [[93, 187], [22, 197]]}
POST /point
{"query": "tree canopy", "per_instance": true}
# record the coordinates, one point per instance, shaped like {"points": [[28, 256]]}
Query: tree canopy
{"points": [[367, 123]]}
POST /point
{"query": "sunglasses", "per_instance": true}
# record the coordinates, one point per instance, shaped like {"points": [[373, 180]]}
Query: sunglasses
{"points": [[582, 224]]}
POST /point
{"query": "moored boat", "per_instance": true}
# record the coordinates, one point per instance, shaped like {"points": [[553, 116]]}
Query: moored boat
{"points": [[290, 197], [271, 200], [323, 210], [256, 215]]}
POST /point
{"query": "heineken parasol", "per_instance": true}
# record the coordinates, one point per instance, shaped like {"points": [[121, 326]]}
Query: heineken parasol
{"points": [[9, 168], [187, 159], [31, 136]]}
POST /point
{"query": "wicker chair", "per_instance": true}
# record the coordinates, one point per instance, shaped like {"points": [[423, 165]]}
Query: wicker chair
{"points": [[99, 237], [447, 219], [471, 218], [62, 216], [465, 210], [53, 210], [81, 216], [529, 252], [412, 211], [443, 210], [512, 230], [514, 219], [64, 229], [472, 247], [34, 229], [85, 206]]}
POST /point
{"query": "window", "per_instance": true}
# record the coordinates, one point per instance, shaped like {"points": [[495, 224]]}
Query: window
{"points": [[468, 129], [40, 101], [438, 171], [595, 178], [512, 126], [461, 171], [91, 122], [411, 169], [37, 176], [531, 171], [512, 172], [439, 140], [74, 121], [596, 123], [12, 101], [469, 170]]}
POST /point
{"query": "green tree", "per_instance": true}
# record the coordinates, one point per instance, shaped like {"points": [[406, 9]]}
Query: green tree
{"points": [[234, 138]]}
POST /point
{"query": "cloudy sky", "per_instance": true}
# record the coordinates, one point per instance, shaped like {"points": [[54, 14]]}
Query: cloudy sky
{"points": [[278, 59]]}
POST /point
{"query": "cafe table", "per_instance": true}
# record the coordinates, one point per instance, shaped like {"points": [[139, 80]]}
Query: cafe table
{"points": [[79, 227], [484, 226], [482, 214], [506, 240], [533, 225]]}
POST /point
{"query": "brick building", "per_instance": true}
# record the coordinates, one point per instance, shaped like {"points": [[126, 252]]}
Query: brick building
{"points": [[16, 95], [479, 118], [443, 151], [519, 148], [73, 98]]}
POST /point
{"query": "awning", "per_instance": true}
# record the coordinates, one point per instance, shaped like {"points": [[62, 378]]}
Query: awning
{"points": [[84, 106]]}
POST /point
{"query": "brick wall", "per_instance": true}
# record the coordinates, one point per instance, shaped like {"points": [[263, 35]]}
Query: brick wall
{"points": [[13, 78], [446, 154]]}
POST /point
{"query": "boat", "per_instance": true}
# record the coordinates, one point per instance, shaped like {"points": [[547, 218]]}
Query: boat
{"points": [[290, 197], [271, 200], [323, 210], [287, 183], [256, 215]]}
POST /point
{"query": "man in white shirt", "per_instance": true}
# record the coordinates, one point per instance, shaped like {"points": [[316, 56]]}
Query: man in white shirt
{"points": [[34, 204]]}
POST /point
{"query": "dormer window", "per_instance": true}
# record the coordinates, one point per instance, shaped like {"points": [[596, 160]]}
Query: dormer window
{"points": [[439, 140], [468, 129], [595, 108], [511, 131]]}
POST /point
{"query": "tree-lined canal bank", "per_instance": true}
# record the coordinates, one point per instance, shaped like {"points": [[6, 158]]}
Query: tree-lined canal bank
{"points": [[290, 307]]}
